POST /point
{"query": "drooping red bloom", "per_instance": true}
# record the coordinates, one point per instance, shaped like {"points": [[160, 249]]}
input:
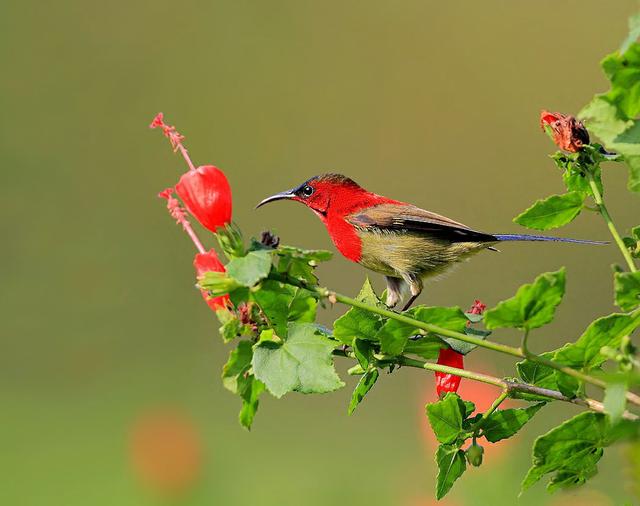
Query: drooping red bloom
{"points": [[206, 194], [205, 190], [209, 262], [567, 131], [448, 382]]}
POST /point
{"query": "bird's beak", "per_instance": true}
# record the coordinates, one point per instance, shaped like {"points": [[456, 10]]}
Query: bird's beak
{"points": [[278, 196]]}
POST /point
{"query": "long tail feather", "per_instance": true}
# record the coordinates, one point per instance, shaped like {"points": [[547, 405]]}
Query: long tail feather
{"points": [[526, 237]]}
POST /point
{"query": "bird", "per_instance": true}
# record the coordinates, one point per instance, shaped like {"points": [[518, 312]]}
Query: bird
{"points": [[401, 241]]}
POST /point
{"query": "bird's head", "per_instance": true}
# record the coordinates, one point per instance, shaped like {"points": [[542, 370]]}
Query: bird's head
{"points": [[321, 193]]}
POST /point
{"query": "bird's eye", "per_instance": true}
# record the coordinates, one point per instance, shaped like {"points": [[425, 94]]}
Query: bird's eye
{"points": [[306, 191]]}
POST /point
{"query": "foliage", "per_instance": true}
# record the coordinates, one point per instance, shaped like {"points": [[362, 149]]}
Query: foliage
{"points": [[273, 294]]}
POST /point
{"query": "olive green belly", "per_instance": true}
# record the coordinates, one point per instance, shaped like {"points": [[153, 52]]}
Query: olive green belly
{"points": [[395, 254]]}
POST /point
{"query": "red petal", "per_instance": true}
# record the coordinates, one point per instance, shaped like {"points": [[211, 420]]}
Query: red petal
{"points": [[207, 196], [448, 382], [209, 262]]}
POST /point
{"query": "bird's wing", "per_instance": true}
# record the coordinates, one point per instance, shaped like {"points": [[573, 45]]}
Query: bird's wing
{"points": [[414, 219]]}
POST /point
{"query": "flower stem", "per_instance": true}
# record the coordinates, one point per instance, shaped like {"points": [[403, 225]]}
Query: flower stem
{"points": [[604, 212], [478, 425]]}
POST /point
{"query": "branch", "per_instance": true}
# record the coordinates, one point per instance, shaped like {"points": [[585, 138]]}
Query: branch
{"points": [[502, 348]]}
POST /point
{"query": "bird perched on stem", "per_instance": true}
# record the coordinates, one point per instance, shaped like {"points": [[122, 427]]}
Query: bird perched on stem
{"points": [[399, 240]]}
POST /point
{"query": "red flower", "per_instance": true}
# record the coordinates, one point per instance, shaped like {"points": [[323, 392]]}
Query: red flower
{"points": [[204, 191], [206, 194], [209, 262], [567, 132], [448, 382]]}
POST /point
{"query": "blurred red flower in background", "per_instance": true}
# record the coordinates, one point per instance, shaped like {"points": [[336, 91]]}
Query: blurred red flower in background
{"points": [[166, 451]]}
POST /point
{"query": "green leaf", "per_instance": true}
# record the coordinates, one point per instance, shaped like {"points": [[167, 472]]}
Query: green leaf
{"points": [[231, 327], [250, 269], [249, 389], [239, 362], [427, 347], [451, 464], [538, 374], [615, 400], [358, 322], [504, 423], [627, 290], [571, 451], [469, 407], [303, 362], [605, 331], [533, 305], [365, 384], [446, 416], [552, 212], [363, 351], [394, 335], [576, 181], [282, 303]]}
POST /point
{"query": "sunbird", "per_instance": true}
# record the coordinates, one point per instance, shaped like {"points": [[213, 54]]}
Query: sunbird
{"points": [[401, 241]]}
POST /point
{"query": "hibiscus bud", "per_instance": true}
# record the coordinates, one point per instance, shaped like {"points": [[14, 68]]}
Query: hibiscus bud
{"points": [[206, 194], [567, 132], [208, 263]]}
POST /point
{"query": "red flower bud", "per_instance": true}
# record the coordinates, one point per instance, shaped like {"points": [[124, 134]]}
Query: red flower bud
{"points": [[567, 132], [209, 262], [448, 382], [206, 194], [205, 191]]}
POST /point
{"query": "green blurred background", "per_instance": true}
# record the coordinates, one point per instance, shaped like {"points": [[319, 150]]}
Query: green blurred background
{"points": [[110, 360]]}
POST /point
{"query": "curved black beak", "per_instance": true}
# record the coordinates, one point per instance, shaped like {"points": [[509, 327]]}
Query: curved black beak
{"points": [[278, 196]]}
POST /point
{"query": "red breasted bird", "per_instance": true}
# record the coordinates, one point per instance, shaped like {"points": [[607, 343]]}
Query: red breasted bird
{"points": [[399, 240]]}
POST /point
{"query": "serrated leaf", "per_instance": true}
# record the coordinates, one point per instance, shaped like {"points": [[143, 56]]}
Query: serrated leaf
{"points": [[451, 464], [358, 322], [504, 423], [282, 303], [627, 290], [250, 269], [571, 451], [446, 416], [303, 362], [365, 384], [533, 305], [605, 331], [552, 212]]}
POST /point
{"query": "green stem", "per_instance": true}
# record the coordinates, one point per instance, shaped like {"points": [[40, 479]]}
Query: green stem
{"points": [[502, 348], [478, 425], [597, 196]]}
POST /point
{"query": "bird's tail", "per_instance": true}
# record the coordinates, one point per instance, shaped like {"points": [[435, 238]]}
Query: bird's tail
{"points": [[527, 237]]}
